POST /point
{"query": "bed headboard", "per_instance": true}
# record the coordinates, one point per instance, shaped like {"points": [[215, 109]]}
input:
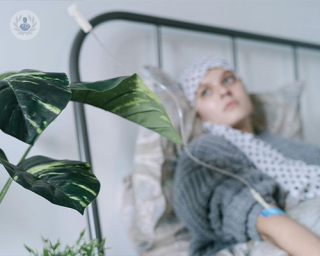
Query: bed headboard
{"points": [[159, 23]]}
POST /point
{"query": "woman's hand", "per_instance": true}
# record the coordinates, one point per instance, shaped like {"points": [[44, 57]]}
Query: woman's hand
{"points": [[288, 235]]}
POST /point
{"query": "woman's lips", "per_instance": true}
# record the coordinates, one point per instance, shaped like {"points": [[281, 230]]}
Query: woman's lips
{"points": [[231, 105]]}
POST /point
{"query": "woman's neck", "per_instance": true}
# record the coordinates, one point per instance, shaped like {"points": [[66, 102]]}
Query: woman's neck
{"points": [[245, 125]]}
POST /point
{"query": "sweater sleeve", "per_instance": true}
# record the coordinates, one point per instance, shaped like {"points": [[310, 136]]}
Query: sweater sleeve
{"points": [[219, 210]]}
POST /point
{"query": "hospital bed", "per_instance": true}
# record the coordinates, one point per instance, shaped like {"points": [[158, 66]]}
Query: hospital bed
{"points": [[177, 42]]}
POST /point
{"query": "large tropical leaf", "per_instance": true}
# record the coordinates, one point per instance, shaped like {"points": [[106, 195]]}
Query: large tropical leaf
{"points": [[130, 98], [63, 182], [4, 75], [30, 100], [3, 155]]}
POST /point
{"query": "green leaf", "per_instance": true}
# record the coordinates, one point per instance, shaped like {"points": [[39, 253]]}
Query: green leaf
{"points": [[34, 252], [129, 98], [45, 252], [30, 100], [81, 236], [3, 155], [63, 182], [68, 251], [90, 249], [28, 248], [44, 240], [56, 245], [4, 75], [102, 244]]}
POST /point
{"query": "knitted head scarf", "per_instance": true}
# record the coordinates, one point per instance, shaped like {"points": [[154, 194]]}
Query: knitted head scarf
{"points": [[190, 78]]}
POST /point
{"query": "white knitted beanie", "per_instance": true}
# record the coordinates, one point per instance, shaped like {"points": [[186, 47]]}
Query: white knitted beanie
{"points": [[190, 78]]}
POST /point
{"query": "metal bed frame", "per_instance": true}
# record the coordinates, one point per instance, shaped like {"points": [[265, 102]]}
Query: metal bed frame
{"points": [[79, 112]]}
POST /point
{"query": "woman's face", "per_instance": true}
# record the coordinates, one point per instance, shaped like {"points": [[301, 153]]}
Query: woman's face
{"points": [[217, 88]]}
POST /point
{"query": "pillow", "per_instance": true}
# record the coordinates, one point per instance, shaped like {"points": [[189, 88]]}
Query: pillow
{"points": [[147, 197], [147, 205], [278, 111]]}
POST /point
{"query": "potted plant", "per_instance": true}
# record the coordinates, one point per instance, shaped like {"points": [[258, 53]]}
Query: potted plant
{"points": [[29, 102]]}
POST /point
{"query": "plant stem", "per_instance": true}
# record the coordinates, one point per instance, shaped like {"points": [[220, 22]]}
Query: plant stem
{"points": [[5, 189], [25, 154], [9, 181]]}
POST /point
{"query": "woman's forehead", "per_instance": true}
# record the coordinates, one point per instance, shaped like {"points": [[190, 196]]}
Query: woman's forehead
{"points": [[213, 73]]}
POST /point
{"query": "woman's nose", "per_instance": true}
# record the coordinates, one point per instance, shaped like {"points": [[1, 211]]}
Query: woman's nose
{"points": [[223, 90]]}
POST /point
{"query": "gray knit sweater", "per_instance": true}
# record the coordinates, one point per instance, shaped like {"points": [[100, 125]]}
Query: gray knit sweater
{"points": [[219, 210]]}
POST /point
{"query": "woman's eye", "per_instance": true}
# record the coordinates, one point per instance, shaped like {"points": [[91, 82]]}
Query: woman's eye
{"points": [[232, 78], [204, 91]]}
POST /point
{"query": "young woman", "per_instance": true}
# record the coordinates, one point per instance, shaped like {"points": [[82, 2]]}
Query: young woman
{"points": [[219, 210]]}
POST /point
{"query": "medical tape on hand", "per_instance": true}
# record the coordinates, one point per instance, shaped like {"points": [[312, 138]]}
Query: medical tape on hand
{"points": [[271, 211]]}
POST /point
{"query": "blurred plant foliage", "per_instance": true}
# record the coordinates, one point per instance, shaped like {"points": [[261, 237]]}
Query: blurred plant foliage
{"points": [[80, 248]]}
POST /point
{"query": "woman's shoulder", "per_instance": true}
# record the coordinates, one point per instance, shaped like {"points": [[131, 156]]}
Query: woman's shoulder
{"points": [[212, 148], [209, 140], [284, 142], [292, 147], [206, 144]]}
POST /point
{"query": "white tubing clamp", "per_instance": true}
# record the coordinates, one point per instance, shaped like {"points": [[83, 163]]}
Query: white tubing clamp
{"points": [[80, 19]]}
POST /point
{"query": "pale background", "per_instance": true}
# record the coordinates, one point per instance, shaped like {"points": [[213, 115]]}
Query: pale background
{"points": [[24, 216]]}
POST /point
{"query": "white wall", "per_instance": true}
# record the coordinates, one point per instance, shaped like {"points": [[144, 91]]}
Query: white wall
{"points": [[25, 216]]}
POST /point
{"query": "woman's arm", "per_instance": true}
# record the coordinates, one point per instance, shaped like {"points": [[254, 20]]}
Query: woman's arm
{"points": [[288, 235]]}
